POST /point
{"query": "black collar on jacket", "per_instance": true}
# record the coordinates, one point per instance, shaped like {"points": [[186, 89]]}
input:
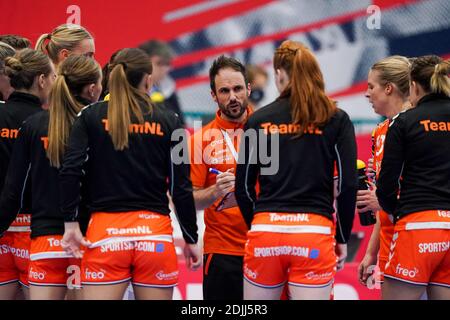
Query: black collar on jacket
{"points": [[26, 98], [433, 96]]}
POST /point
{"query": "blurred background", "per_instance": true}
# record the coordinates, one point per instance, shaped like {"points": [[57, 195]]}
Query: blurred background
{"points": [[347, 36]]}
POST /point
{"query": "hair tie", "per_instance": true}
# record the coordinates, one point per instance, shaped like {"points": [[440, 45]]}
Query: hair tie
{"points": [[46, 42], [443, 71], [287, 50], [124, 65]]}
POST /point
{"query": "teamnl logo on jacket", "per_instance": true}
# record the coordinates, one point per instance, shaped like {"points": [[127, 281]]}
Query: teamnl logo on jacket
{"points": [[406, 272], [127, 231]]}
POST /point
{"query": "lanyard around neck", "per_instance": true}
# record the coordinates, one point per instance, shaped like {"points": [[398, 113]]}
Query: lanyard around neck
{"points": [[230, 144]]}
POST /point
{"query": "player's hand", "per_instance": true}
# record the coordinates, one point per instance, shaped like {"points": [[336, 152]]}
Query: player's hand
{"points": [[73, 239]]}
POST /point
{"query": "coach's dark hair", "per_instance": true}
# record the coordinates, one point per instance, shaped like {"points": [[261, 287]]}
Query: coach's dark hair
{"points": [[224, 62]]}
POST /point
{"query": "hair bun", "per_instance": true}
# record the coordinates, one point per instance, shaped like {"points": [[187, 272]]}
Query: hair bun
{"points": [[13, 64], [13, 67]]}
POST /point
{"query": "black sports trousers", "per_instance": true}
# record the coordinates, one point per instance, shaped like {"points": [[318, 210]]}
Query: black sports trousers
{"points": [[223, 277]]}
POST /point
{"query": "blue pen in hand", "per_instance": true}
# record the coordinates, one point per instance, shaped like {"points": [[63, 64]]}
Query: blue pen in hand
{"points": [[215, 171]]}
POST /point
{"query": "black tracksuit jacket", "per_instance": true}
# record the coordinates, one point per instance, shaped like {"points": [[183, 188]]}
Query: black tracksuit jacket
{"points": [[136, 178], [417, 149], [304, 181]]}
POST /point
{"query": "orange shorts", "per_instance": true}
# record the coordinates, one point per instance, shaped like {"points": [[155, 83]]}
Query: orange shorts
{"points": [[386, 232], [294, 248], [50, 265], [420, 252], [8, 271], [14, 257], [20, 245], [136, 246], [21, 223]]}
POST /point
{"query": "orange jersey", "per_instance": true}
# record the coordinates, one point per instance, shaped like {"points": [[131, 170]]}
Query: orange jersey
{"points": [[379, 136], [387, 226], [215, 146]]}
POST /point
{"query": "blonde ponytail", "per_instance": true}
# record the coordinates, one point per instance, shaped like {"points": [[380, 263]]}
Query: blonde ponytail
{"points": [[126, 101], [431, 72], [63, 110], [440, 81], [75, 73], [66, 36], [41, 45]]}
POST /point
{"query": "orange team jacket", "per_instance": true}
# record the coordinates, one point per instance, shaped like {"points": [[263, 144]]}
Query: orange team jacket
{"points": [[387, 227], [225, 230]]}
